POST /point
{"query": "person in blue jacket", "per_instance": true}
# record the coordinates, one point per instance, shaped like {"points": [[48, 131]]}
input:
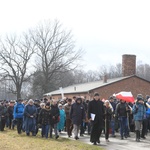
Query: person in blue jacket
{"points": [[148, 113], [18, 114], [139, 113], [61, 123], [30, 118]]}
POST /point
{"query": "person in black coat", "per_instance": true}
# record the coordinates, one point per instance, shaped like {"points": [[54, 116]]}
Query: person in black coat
{"points": [[3, 116], [113, 123], [77, 115], [96, 116], [10, 114], [55, 119], [83, 124], [44, 119], [38, 108]]}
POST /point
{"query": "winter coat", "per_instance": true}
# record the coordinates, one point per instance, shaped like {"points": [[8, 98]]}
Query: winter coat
{"points": [[139, 112], [108, 113], [10, 111], [3, 112], [77, 113], [121, 110], [61, 123], [97, 108], [67, 109], [18, 110], [113, 104], [44, 116], [147, 110], [37, 111], [55, 114], [85, 106], [30, 118]]}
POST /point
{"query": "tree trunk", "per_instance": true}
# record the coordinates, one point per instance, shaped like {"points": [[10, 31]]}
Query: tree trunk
{"points": [[18, 92]]}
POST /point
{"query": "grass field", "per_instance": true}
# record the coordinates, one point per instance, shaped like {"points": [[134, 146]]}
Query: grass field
{"points": [[10, 140]]}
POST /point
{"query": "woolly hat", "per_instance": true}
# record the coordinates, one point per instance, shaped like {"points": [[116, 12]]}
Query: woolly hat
{"points": [[96, 94], [69, 100], [106, 101], [47, 104], [30, 101], [111, 97], [78, 99], [140, 98], [59, 105], [12, 101]]}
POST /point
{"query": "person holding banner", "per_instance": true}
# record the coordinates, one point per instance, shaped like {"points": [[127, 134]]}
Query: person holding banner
{"points": [[96, 117]]}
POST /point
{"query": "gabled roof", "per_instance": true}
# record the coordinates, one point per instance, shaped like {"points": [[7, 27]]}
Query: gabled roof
{"points": [[86, 87]]}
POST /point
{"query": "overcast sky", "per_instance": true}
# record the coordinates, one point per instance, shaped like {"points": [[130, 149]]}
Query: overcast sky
{"points": [[105, 29]]}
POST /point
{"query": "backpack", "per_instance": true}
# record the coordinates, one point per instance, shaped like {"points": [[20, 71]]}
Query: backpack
{"points": [[19, 108], [148, 113]]}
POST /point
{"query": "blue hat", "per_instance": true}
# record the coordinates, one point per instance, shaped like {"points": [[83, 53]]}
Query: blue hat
{"points": [[140, 98]]}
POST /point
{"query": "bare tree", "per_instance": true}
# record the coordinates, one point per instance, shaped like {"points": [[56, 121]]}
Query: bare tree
{"points": [[103, 70], [143, 70], [115, 71], [111, 71], [92, 76], [56, 50], [15, 55]]}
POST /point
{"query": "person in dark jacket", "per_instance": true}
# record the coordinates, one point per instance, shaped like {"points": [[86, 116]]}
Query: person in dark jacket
{"points": [[108, 110], [83, 124], [37, 105], [77, 115], [55, 119], [18, 115], [30, 118], [121, 113], [6, 104], [113, 122], [67, 109], [10, 114], [96, 116], [44, 119], [3, 116]]}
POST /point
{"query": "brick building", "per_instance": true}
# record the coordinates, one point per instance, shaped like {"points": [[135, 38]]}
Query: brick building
{"points": [[107, 87]]}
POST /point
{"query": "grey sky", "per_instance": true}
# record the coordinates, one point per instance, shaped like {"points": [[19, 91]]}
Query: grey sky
{"points": [[105, 29]]}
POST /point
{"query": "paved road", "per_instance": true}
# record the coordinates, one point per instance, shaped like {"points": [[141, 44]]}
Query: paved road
{"points": [[118, 144]]}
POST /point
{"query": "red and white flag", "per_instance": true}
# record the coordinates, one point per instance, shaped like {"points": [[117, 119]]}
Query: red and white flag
{"points": [[126, 96]]}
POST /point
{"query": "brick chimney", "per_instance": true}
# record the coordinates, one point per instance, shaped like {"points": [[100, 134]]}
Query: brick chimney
{"points": [[128, 65], [105, 78]]}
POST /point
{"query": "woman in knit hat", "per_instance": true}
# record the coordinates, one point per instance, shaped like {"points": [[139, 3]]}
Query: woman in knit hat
{"points": [[44, 119], [139, 113], [30, 118]]}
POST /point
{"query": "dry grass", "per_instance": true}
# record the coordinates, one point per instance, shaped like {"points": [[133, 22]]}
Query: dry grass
{"points": [[10, 140]]}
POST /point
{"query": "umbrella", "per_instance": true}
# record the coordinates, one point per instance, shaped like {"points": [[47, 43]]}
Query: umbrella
{"points": [[126, 96]]}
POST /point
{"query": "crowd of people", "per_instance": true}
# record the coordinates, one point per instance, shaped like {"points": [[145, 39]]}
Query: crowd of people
{"points": [[76, 116]]}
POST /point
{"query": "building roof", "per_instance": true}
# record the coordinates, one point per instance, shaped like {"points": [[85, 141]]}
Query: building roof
{"points": [[86, 87]]}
